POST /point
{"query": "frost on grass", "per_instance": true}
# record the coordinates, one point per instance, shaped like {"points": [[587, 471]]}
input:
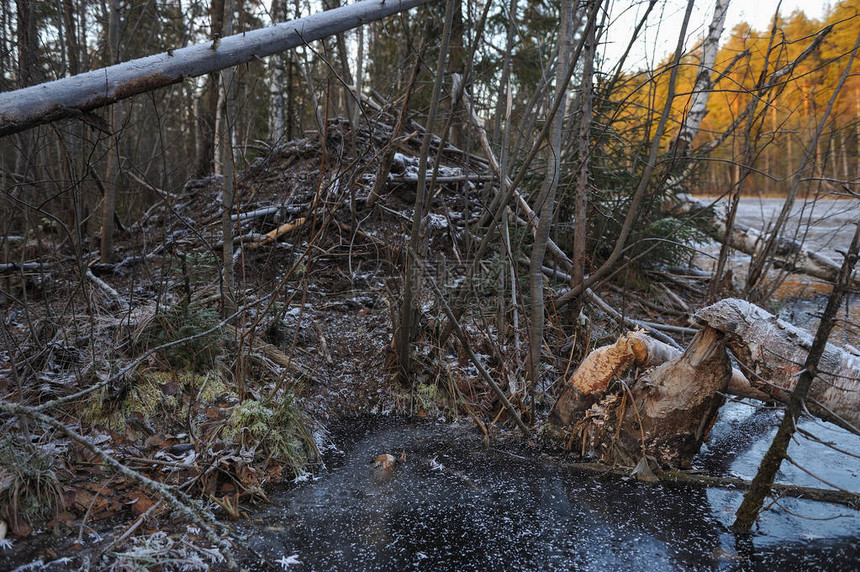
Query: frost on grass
{"points": [[164, 553], [287, 561]]}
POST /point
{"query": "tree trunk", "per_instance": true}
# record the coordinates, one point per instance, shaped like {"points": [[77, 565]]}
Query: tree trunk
{"points": [[405, 334], [28, 50], [675, 404], [208, 102], [591, 380], [545, 203], [703, 86], [771, 352], [225, 134], [277, 94], [69, 97], [113, 159], [580, 208], [349, 101]]}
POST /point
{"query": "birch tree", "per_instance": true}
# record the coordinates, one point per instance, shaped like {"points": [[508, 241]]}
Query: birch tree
{"points": [[74, 96]]}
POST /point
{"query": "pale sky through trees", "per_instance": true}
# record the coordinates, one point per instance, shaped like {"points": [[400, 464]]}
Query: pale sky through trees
{"points": [[661, 35]]}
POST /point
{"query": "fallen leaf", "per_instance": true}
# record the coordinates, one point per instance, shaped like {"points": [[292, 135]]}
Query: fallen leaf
{"points": [[142, 503], [385, 461], [154, 441]]}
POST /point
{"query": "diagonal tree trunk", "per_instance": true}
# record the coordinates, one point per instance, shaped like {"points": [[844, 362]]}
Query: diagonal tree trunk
{"points": [[702, 88], [72, 96]]}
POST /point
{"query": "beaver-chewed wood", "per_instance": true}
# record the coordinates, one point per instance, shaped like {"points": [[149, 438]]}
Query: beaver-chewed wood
{"points": [[772, 353], [590, 382], [677, 402]]}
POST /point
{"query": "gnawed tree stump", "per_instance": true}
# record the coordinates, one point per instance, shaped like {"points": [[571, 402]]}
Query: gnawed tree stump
{"points": [[665, 413], [671, 408], [772, 353], [590, 382]]}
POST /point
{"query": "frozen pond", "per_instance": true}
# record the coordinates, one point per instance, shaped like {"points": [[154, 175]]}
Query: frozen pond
{"points": [[457, 505], [825, 225]]}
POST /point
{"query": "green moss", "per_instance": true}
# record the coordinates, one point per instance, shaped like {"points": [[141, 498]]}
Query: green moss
{"points": [[142, 395], [278, 427]]}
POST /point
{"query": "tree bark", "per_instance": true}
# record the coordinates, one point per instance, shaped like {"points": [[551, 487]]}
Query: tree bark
{"points": [[580, 207], [208, 105], [228, 192], [771, 352], [703, 85], [70, 97], [675, 404], [545, 203], [405, 334], [113, 160]]}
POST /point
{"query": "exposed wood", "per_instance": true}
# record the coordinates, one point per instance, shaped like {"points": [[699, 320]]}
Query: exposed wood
{"points": [[677, 402], [275, 234], [73, 96], [772, 352], [590, 382]]}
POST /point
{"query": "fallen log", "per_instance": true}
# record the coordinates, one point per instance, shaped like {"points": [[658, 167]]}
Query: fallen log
{"points": [[76, 95], [787, 254], [772, 353]]}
